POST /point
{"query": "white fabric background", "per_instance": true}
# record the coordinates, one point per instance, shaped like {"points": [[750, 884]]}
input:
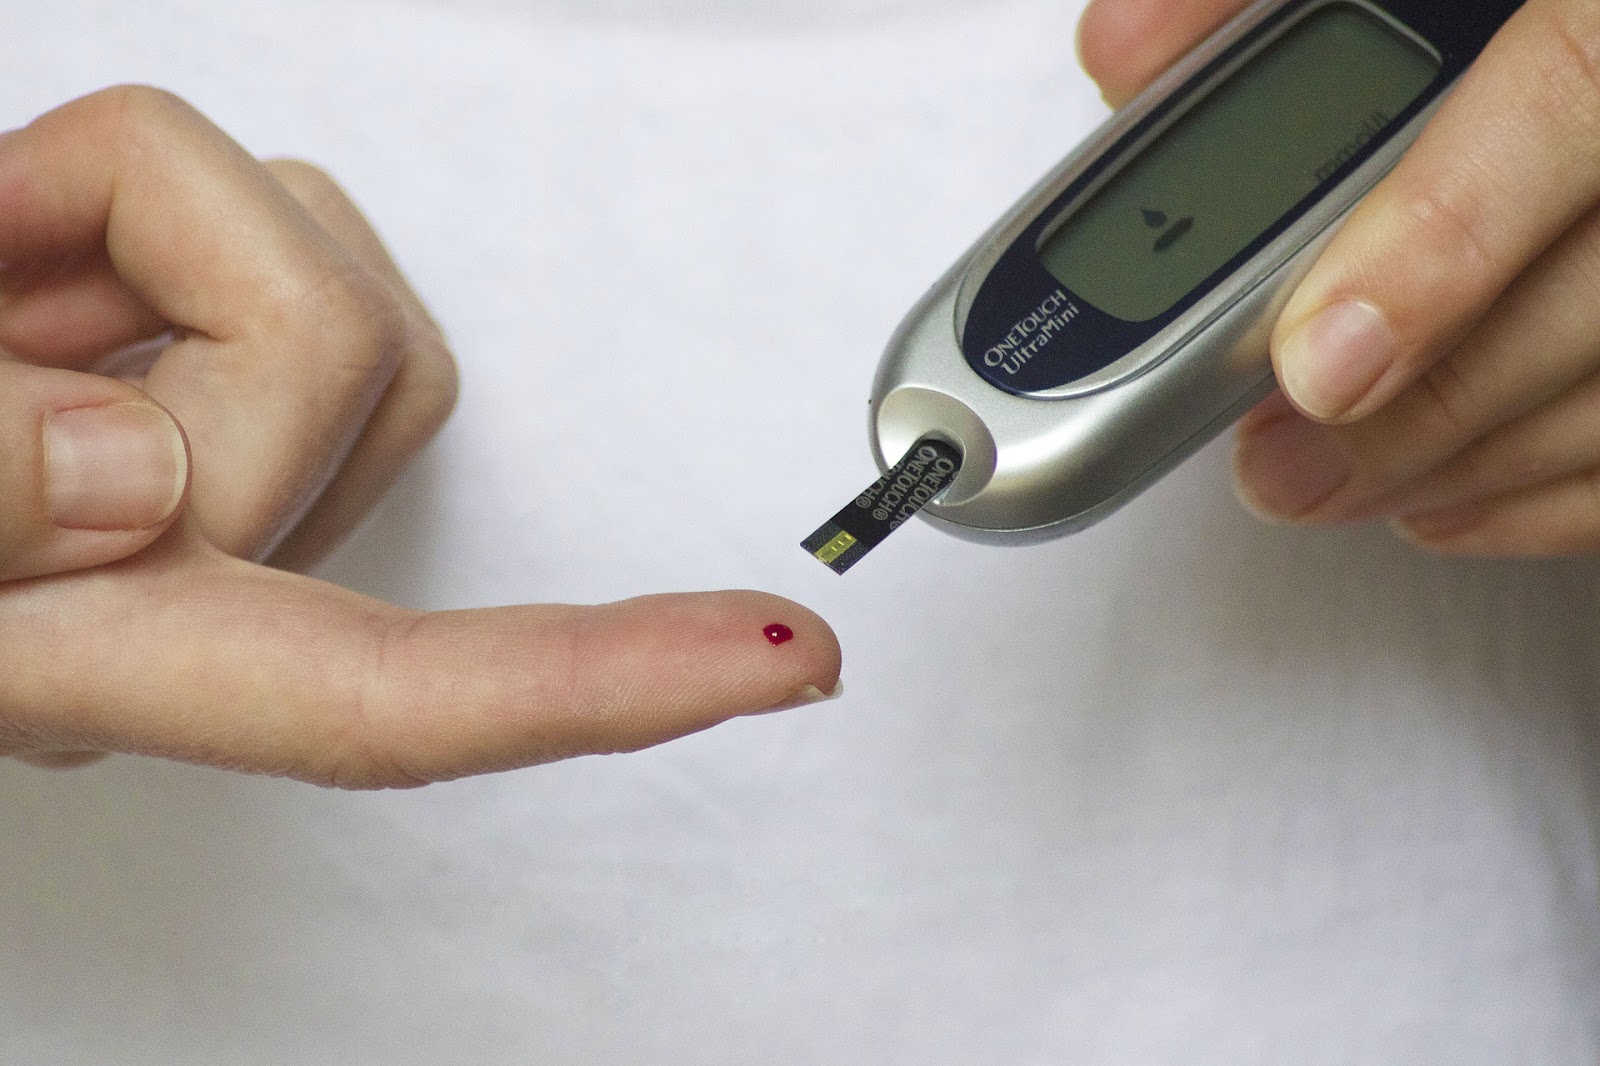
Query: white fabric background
{"points": [[1180, 789]]}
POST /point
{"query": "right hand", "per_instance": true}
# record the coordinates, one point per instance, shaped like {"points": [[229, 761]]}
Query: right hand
{"points": [[302, 373], [1440, 363]]}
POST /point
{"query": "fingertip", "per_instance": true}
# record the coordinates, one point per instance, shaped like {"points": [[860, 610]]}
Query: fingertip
{"points": [[1285, 466], [1340, 362], [1269, 410], [1111, 40], [770, 649], [1445, 530], [802, 644], [1125, 44], [807, 697], [1448, 546], [476, 692], [684, 662]]}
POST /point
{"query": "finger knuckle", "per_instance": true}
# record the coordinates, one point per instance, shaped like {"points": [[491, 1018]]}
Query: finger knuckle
{"points": [[432, 381], [134, 119], [1452, 401], [575, 695], [1501, 460], [308, 183], [1582, 248], [141, 114], [301, 174], [1572, 72], [1455, 221], [362, 753], [352, 319], [137, 102]]}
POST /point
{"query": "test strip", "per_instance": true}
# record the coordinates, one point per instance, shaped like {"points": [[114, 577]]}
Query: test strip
{"points": [[926, 472]]}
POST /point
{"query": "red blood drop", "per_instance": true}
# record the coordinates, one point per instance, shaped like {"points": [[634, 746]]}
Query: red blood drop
{"points": [[779, 634]]}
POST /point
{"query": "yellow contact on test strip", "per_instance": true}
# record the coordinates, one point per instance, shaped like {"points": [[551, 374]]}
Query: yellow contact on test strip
{"points": [[836, 547]]}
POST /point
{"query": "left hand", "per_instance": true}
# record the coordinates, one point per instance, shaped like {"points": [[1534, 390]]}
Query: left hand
{"points": [[1439, 364], [303, 372]]}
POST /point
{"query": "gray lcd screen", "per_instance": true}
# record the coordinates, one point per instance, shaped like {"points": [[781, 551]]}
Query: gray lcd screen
{"points": [[1238, 161]]}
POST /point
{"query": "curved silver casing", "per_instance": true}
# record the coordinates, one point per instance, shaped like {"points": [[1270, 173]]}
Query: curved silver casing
{"points": [[1040, 467]]}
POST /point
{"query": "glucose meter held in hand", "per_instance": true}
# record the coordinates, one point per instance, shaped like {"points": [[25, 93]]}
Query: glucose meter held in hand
{"points": [[1117, 318]]}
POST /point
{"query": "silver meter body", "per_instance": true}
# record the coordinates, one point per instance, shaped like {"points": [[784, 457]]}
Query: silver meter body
{"points": [[1118, 317]]}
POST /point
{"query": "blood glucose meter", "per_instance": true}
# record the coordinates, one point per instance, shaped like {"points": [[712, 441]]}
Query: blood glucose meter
{"points": [[1118, 317]]}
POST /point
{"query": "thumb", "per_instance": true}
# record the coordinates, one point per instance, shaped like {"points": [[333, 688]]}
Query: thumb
{"points": [[1510, 162], [91, 470]]}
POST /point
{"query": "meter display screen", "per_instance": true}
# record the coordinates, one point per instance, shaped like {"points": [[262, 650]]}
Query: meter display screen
{"points": [[1237, 161]]}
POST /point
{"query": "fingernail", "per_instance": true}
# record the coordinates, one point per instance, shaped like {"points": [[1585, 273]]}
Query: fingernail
{"points": [[1441, 523], [1289, 466], [807, 696], [1331, 363], [122, 466]]}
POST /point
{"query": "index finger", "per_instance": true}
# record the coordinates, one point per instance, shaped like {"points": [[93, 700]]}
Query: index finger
{"points": [[1510, 162], [186, 653]]}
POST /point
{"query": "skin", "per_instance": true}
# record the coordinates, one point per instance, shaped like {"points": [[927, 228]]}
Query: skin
{"points": [[302, 375], [1457, 393]]}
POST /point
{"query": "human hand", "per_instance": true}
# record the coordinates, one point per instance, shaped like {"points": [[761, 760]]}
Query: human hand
{"points": [[1438, 364], [301, 375]]}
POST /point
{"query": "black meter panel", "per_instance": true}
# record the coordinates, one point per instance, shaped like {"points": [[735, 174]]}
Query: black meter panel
{"points": [[1208, 179]]}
